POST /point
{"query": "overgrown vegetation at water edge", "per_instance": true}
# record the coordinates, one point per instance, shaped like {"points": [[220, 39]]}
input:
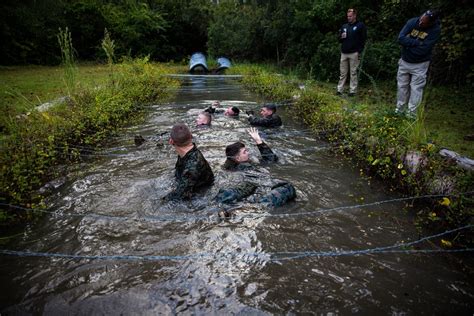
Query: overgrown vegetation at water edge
{"points": [[35, 142], [383, 144]]}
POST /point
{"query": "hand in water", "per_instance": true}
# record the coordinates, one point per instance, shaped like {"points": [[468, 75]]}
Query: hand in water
{"points": [[253, 132]]}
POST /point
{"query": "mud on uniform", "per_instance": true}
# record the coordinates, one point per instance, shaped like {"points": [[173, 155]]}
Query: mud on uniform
{"points": [[192, 173]]}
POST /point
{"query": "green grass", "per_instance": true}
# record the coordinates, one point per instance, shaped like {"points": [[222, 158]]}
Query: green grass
{"points": [[22, 88], [450, 117], [34, 143], [449, 111], [40, 84]]}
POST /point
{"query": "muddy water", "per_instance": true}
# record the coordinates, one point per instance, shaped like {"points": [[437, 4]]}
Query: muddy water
{"points": [[111, 206]]}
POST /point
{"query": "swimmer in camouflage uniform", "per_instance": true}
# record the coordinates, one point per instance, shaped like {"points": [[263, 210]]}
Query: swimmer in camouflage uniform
{"points": [[238, 156], [192, 169], [268, 119], [238, 160]]}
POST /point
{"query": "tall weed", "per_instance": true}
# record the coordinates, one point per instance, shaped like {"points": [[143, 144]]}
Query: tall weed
{"points": [[42, 140], [68, 60], [108, 45]]}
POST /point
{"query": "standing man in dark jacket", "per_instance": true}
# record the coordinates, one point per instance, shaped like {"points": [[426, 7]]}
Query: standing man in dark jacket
{"points": [[418, 37], [192, 170], [352, 36], [268, 119]]}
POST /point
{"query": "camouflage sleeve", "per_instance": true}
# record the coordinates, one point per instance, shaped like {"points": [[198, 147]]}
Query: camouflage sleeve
{"points": [[265, 122], [267, 154], [187, 182], [237, 193], [256, 121]]}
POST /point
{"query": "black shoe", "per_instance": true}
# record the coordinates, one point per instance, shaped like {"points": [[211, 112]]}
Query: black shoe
{"points": [[352, 94], [338, 93]]}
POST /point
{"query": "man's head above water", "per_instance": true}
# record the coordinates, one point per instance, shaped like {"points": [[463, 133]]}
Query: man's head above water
{"points": [[232, 111], [268, 109], [180, 135], [204, 119], [237, 152]]}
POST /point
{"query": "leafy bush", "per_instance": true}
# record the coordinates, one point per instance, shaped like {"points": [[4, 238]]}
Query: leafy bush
{"points": [[325, 61], [273, 86], [235, 31], [380, 60], [138, 29], [41, 140]]}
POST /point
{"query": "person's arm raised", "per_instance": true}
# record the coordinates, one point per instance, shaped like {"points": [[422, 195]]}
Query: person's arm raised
{"points": [[253, 132]]}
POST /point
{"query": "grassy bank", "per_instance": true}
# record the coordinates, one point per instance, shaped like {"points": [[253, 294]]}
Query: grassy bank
{"points": [[449, 110], [33, 142], [24, 88], [399, 151], [363, 128], [448, 113]]}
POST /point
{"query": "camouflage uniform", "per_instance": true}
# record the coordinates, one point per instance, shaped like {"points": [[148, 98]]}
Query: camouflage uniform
{"points": [[267, 156], [271, 121], [280, 193], [237, 193], [192, 173]]}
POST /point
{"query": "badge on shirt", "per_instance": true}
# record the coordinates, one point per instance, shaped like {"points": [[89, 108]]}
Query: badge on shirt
{"points": [[418, 34]]}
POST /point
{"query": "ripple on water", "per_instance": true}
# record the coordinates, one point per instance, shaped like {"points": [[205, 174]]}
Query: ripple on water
{"points": [[113, 207]]}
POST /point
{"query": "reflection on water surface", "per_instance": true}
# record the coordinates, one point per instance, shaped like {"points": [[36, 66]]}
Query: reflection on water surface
{"points": [[118, 208]]}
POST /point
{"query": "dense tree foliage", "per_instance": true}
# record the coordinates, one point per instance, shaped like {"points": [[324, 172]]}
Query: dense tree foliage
{"points": [[163, 29], [300, 34]]}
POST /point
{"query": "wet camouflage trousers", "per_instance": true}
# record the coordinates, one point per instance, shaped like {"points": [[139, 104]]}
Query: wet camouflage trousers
{"points": [[237, 193], [279, 195]]}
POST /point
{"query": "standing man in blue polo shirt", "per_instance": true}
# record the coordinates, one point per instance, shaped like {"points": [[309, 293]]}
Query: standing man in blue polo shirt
{"points": [[418, 37], [352, 36]]}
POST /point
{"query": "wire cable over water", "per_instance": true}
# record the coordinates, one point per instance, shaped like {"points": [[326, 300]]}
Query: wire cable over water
{"points": [[269, 256], [275, 256], [193, 218]]}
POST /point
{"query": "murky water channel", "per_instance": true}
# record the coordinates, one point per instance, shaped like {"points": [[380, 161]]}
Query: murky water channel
{"points": [[112, 207]]}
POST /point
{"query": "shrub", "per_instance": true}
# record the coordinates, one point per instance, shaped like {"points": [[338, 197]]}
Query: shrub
{"points": [[380, 143], [42, 140], [379, 60], [324, 64]]}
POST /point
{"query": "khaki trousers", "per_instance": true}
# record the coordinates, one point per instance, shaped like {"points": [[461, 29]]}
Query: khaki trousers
{"points": [[411, 80], [349, 63]]}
